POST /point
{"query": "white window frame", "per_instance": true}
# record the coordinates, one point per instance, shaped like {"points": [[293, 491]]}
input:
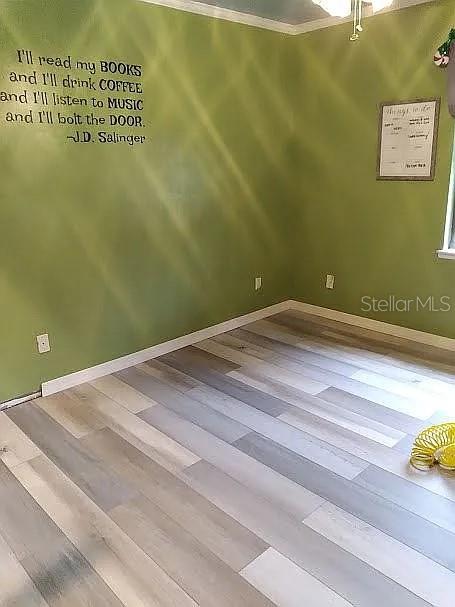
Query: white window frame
{"points": [[448, 245]]}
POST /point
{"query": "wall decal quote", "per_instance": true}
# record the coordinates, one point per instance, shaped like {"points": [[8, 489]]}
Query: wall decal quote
{"points": [[94, 101]]}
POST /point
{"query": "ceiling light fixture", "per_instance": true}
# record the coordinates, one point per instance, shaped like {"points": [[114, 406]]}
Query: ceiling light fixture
{"points": [[344, 8], [336, 8]]}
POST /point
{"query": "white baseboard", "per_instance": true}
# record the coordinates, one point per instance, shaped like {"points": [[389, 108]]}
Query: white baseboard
{"points": [[80, 377], [429, 339], [18, 401]]}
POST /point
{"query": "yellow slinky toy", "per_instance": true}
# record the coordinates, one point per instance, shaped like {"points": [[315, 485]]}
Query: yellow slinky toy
{"points": [[435, 445]]}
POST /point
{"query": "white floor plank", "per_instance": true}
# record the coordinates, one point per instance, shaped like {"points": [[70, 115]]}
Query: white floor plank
{"points": [[287, 585], [422, 576]]}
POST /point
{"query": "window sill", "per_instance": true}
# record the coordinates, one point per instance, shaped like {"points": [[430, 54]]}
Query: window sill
{"points": [[446, 254]]}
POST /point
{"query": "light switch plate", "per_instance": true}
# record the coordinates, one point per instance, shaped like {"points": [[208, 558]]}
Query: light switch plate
{"points": [[330, 281]]}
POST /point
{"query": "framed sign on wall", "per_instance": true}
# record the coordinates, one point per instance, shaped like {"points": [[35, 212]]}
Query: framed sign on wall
{"points": [[408, 133]]}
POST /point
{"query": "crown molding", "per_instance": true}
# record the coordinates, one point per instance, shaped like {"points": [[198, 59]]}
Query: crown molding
{"points": [[216, 12], [225, 14]]}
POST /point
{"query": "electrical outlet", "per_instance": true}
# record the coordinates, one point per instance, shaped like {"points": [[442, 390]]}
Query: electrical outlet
{"points": [[330, 281], [258, 283], [43, 343]]}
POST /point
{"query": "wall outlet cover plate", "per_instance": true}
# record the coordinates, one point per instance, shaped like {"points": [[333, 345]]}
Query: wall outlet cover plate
{"points": [[43, 343], [330, 281]]}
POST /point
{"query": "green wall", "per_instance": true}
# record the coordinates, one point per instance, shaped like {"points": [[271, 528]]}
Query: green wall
{"points": [[261, 161], [379, 238], [112, 249]]}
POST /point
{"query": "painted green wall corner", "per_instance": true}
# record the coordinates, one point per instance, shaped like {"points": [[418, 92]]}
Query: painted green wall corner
{"points": [[378, 238], [261, 161], [112, 249]]}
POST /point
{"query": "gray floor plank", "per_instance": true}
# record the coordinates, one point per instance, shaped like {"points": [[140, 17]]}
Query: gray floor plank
{"points": [[132, 575], [104, 488], [194, 411], [16, 587], [346, 575], [366, 337], [312, 322], [228, 385], [387, 368], [56, 567], [423, 365], [285, 370], [341, 354], [195, 356], [409, 568], [15, 446], [375, 345], [405, 444], [66, 409], [382, 390], [325, 410], [121, 393], [172, 377], [393, 461], [267, 464], [395, 419], [156, 445], [293, 352], [301, 442], [320, 328], [209, 581], [355, 443], [414, 531], [231, 542], [421, 408], [277, 489], [418, 500]]}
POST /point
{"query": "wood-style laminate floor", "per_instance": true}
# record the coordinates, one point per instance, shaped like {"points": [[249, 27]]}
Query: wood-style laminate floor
{"points": [[267, 466]]}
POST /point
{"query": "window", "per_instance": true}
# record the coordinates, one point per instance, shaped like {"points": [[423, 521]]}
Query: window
{"points": [[448, 245]]}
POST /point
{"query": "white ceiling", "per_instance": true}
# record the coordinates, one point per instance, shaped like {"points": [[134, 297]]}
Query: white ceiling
{"points": [[293, 12]]}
